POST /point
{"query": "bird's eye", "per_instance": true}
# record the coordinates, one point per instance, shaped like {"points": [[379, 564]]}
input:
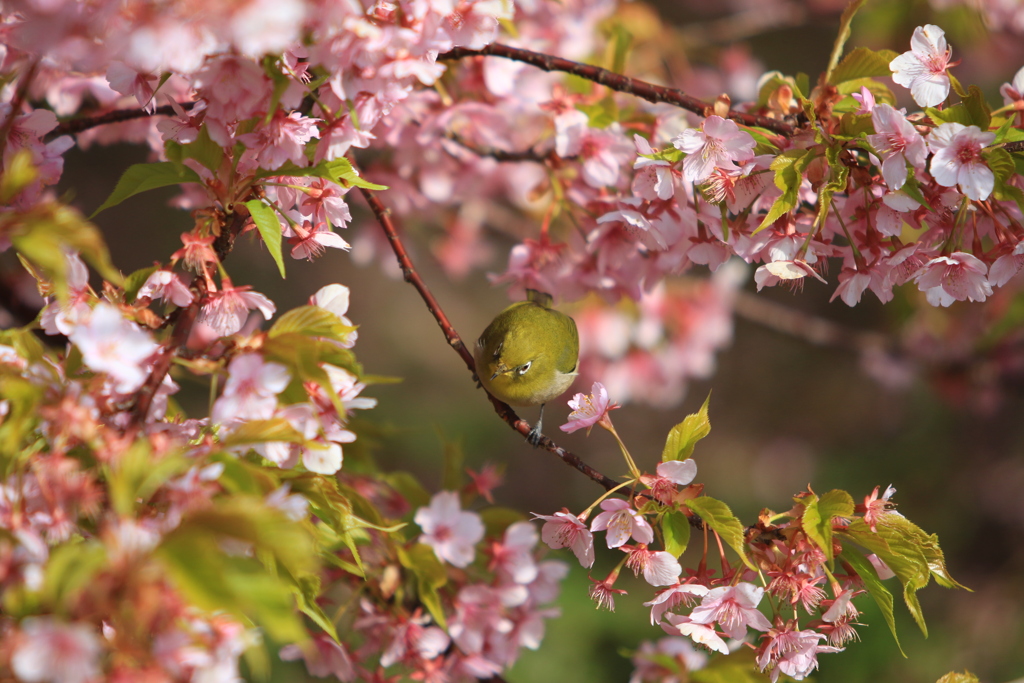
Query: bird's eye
{"points": [[521, 370]]}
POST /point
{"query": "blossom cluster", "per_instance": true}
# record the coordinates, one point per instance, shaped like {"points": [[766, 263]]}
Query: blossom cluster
{"points": [[803, 559]]}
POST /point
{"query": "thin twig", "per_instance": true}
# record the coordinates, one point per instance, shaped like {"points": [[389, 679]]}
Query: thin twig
{"points": [[84, 123], [503, 410], [495, 153], [615, 81], [812, 328]]}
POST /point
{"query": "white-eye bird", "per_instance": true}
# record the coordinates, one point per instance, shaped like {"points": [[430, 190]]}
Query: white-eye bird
{"points": [[528, 355]]}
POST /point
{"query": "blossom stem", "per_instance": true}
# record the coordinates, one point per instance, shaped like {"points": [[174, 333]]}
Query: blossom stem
{"points": [[606, 494], [633, 469]]}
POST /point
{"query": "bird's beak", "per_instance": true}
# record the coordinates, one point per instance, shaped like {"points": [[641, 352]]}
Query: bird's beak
{"points": [[499, 369]]}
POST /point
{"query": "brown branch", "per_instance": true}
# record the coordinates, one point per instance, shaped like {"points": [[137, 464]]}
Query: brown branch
{"points": [[814, 329], [183, 325], [495, 153], [1015, 146], [615, 81], [84, 123], [503, 410]]}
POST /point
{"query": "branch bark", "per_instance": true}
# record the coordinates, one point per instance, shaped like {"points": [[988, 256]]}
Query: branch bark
{"points": [[503, 410], [616, 81]]}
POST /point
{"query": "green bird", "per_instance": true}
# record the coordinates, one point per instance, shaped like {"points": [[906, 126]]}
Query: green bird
{"points": [[528, 355]]}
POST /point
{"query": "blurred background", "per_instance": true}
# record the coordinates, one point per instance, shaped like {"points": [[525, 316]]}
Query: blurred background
{"points": [[944, 426]]}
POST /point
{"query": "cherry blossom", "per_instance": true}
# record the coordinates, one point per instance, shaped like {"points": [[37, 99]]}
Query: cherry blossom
{"points": [[923, 68], [898, 143], [603, 592], [163, 284], [55, 652], [250, 392], [957, 159], [791, 652], [323, 658], [876, 507], [956, 277], [734, 608], [719, 144], [512, 559], [588, 410], [566, 530], [622, 522], [649, 660], [672, 597], [226, 310], [702, 634], [451, 531], [1013, 92], [115, 346], [659, 567]]}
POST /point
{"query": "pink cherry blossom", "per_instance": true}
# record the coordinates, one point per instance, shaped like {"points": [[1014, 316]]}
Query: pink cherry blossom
{"points": [[866, 99], [251, 390], [335, 298], [659, 567], [61, 318], [957, 277], [898, 143], [227, 310], [719, 144], [923, 68], [702, 634], [876, 507], [653, 179], [622, 522], [1006, 266], [794, 653], [451, 531], [54, 652], [663, 661], [958, 161], [672, 597], [603, 592], [115, 346], [512, 558], [565, 530], [163, 284], [1013, 92], [671, 474], [310, 241], [734, 608], [588, 410]]}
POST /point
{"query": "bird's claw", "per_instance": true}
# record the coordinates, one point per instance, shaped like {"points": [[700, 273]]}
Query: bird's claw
{"points": [[534, 437]]}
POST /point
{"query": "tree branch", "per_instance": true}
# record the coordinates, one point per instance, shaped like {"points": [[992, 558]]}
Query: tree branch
{"points": [[615, 81], [84, 123], [503, 410]]}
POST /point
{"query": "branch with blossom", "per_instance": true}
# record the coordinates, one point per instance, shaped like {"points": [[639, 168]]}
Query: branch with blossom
{"points": [[111, 490]]}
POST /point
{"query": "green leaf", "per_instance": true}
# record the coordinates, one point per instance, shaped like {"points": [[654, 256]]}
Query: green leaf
{"points": [[838, 174], [269, 227], [738, 667], [622, 40], [133, 283], [137, 474], [789, 168], [878, 592], [862, 63], [675, 527], [977, 109], [497, 519], [1003, 132], [141, 177], [20, 172], [408, 487], [263, 431], [338, 170], [818, 515], [684, 436], [311, 321], [43, 233], [958, 113], [720, 519], [70, 568], [203, 149], [430, 575], [843, 35]]}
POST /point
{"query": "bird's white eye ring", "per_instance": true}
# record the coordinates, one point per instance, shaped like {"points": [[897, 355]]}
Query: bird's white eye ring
{"points": [[521, 370]]}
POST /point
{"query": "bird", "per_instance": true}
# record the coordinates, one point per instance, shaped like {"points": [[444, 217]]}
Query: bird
{"points": [[528, 355]]}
